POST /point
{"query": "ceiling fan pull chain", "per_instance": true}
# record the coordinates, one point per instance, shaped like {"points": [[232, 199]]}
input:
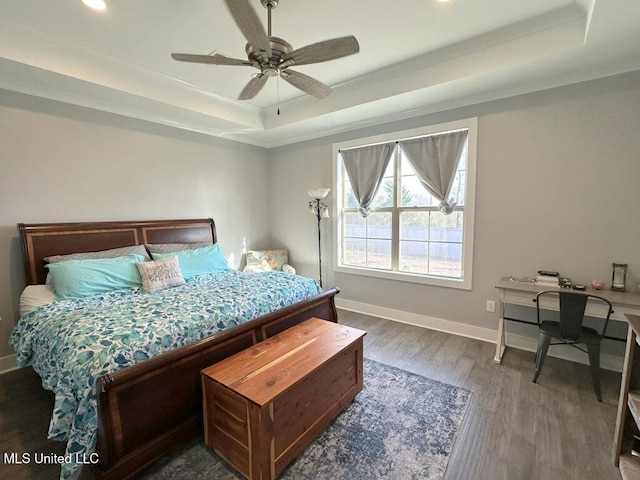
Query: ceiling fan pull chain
{"points": [[278, 92]]}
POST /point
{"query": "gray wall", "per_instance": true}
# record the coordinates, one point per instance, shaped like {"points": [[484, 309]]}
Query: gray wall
{"points": [[63, 163], [558, 187]]}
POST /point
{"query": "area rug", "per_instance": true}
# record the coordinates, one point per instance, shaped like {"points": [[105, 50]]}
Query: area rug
{"points": [[401, 426]]}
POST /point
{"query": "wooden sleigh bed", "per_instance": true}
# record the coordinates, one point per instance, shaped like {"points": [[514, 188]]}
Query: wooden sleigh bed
{"points": [[147, 409]]}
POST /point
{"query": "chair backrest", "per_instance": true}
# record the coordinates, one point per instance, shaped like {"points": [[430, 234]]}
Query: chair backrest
{"points": [[572, 311], [572, 306]]}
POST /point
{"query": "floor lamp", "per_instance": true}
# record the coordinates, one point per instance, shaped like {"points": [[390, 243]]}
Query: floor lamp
{"points": [[320, 209]]}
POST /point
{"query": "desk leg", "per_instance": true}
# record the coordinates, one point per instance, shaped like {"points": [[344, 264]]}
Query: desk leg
{"points": [[500, 343]]}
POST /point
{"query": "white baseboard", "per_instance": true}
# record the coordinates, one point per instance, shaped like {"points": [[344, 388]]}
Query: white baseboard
{"points": [[607, 361], [470, 331], [7, 364]]}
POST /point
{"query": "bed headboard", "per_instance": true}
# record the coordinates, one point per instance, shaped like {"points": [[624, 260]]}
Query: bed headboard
{"points": [[40, 240]]}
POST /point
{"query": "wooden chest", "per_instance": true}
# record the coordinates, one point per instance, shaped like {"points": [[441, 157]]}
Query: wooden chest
{"points": [[264, 405]]}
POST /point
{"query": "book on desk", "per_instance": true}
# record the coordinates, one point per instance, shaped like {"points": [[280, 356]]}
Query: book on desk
{"points": [[547, 279]]}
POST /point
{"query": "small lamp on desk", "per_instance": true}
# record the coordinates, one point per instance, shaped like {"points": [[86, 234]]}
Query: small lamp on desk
{"points": [[619, 277]]}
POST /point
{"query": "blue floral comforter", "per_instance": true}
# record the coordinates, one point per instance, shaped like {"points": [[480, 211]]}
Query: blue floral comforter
{"points": [[71, 343]]}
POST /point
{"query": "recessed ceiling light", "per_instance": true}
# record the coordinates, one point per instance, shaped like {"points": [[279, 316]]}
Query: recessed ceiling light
{"points": [[95, 4]]}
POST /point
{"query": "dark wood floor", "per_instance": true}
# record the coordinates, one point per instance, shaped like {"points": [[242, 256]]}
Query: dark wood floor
{"points": [[513, 429]]}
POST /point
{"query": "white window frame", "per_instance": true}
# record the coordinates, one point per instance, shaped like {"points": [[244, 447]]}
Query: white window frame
{"points": [[465, 282]]}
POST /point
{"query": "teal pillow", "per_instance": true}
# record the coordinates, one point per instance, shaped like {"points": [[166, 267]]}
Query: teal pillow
{"points": [[195, 262], [81, 278]]}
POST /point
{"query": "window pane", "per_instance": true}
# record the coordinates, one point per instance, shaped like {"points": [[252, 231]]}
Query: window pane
{"points": [[384, 195], [414, 226], [359, 252], [354, 225], [445, 259], [445, 249], [414, 257], [459, 183], [379, 225], [355, 252], [349, 197], [446, 228], [413, 194], [368, 240], [458, 188], [379, 254]]}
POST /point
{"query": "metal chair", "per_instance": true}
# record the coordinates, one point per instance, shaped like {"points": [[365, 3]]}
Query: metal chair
{"points": [[570, 331]]}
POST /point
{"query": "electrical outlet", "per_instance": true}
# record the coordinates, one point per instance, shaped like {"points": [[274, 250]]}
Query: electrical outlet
{"points": [[491, 306]]}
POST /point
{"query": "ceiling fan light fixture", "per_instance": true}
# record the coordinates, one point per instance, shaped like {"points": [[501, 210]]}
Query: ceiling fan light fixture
{"points": [[95, 4], [273, 55]]}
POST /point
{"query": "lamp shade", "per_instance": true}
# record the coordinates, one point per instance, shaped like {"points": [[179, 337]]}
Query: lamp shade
{"points": [[319, 192]]}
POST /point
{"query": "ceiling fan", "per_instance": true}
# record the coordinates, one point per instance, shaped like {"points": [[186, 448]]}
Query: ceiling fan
{"points": [[272, 55]]}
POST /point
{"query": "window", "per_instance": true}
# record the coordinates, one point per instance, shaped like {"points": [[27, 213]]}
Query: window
{"points": [[406, 235]]}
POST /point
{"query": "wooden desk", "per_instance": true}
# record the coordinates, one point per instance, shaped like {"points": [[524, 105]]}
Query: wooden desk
{"points": [[264, 405], [523, 294]]}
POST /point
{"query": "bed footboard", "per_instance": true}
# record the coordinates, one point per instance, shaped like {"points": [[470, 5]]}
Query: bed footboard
{"points": [[147, 409]]}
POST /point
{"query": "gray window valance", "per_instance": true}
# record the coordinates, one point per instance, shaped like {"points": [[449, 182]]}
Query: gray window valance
{"points": [[435, 160], [365, 168]]}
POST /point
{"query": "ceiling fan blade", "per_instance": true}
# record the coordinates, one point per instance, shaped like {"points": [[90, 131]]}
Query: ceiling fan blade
{"points": [[306, 83], [323, 51], [216, 59], [249, 24], [253, 87]]}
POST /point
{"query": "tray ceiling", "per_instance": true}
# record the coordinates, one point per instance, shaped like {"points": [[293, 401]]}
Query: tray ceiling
{"points": [[424, 57]]}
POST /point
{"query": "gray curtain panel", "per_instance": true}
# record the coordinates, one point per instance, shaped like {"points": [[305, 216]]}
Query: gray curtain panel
{"points": [[365, 168], [435, 160]]}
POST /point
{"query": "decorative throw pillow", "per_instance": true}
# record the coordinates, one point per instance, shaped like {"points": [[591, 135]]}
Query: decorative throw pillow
{"points": [[160, 274], [275, 259]]}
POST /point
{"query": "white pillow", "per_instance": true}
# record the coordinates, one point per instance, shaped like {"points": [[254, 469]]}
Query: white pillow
{"points": [[34, 296], [174, 247], [111, 253], [160, 274]]}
